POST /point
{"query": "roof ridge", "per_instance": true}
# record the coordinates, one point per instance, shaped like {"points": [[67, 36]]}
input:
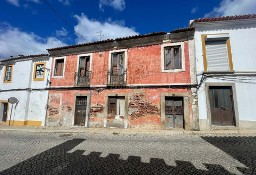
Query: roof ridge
{"points": [[223, 18]]}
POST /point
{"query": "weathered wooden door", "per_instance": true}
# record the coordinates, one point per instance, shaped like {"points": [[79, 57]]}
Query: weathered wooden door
{"points": [[80, 110], [221, 105], [4, 111], [174, 112]]}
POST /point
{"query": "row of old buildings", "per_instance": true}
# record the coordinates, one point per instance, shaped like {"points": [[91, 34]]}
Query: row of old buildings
{"points": [[200, 77]]}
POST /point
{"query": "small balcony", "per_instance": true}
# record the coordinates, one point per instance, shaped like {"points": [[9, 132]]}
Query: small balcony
{"points": [[83, 79], [116, 79]]}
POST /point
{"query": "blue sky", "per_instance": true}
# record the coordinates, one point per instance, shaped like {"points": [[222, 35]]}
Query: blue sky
{"points": [[31, 26]]}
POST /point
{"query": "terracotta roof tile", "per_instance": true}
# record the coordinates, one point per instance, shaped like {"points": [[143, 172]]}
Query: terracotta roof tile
{"points": [[108, 40], [224, 18], [183, 30], [23, 57]]}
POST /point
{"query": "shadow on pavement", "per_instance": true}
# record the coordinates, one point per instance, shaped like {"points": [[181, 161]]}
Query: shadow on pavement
{"points": [[240, 148], [57, 160]]}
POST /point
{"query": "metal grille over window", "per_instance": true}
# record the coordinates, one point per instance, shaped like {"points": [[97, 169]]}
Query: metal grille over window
{"points": [[172, 58], [217, 55]]}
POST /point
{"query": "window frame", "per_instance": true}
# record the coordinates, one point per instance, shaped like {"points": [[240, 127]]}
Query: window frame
{"points": [[8, 81], [182, 57], [117, 51], [218, 36], [34, 74], [64, 67], [78, 61]]}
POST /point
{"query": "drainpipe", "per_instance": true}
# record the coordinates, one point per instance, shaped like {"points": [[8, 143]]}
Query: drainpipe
{"points": [[89, 109]]}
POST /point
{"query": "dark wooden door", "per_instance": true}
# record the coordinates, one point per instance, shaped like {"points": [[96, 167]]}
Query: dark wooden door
{"points": [[174, 112], [221, 105], [5, 108], [80, 110]]}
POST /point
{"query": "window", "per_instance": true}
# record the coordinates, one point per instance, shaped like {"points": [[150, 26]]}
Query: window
{"points": [[59, 67], [117, 63], [217, 53], [172, 58], [84, 66], [117, 68], [116, 106], [8, 73], [39, 69]]}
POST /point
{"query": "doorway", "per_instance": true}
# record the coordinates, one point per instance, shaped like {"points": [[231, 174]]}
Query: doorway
{"points": [[221, 105], [80, 110], [4, 109], [174, 112]]}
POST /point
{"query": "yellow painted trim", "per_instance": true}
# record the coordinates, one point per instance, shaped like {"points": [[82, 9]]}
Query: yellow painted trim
{"points": [[34, 74], [24, 123], [230, 55], [8, 81], [203, 36]]}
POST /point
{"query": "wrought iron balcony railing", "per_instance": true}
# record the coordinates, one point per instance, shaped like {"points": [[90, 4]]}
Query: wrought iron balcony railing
{"points": [[83, 79], [116, 79]]}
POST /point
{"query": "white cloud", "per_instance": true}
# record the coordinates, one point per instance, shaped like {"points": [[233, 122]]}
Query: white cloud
{"points": [[14, 2], [17, 2], [233, 7], [116, 4], [65, 2], [15, 42], [88, 30], [194, 10], [62, 32]]}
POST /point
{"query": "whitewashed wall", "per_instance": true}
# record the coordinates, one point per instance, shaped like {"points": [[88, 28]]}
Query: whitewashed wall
{"points": [[31, 94], [243, 49]]}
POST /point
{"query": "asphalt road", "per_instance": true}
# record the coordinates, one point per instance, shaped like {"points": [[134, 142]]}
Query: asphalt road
{"points": [[78, 153]]}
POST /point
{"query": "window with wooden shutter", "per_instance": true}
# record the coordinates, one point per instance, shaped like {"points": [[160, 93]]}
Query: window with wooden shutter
{"points": [[172, 58], [84, 66], [117, 63], [59, 67]]}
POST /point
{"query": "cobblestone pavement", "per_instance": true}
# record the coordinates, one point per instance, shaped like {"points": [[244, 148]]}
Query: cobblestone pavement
{"points": [[80, 153]]}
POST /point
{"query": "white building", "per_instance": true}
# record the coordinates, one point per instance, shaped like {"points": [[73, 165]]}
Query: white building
{"points": [[25, 78], [225, 50]]}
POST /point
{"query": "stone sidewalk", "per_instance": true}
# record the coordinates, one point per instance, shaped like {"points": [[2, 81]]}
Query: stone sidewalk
{"points": [[130, 131]]}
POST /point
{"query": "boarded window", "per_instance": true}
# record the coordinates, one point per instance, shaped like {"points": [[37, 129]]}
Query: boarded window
{"points": [[8, 73], [84, 66], [172, 58], [117, 63], [217, 55], [59, 66], [39, 71]]}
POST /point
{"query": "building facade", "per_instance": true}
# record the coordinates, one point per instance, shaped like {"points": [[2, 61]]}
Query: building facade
{"points": [[226, 71], [135, 82], [26, 79]]}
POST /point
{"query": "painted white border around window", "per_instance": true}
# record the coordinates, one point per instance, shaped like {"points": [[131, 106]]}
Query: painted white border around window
{"points": [[181, 44], [84, 55], [53, 70], [116, 51]]}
